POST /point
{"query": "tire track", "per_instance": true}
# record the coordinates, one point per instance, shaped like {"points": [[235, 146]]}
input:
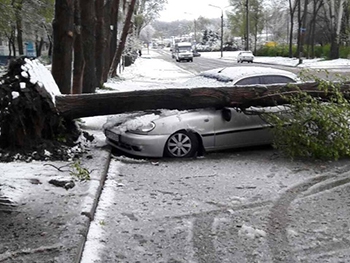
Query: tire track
{"points": [[278, 219]]}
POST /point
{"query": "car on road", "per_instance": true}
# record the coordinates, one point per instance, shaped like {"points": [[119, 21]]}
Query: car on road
{"points": [[245, 56], [185, 133], [183, 52]]}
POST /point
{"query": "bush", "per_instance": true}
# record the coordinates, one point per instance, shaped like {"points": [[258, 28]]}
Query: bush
{"points": [[273, 51], [314, 128], [283, 51], [344, 52]]}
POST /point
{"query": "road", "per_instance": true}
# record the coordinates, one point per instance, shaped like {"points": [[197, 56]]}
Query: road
{"points": [[241, 206], [249, 205], [200, 64]]}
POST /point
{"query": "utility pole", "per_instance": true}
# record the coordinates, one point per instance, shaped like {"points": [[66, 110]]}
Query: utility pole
{"points": [[247, 25], [222, 32], [222, 26]]}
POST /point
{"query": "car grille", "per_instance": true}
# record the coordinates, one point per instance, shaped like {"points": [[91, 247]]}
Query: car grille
{"points": [[125, 145]]}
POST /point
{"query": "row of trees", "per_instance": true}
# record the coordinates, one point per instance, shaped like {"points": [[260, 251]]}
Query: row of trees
{"points": [[309, 22], [89, 29], [22, 17], [301, 23], [87, 37]]}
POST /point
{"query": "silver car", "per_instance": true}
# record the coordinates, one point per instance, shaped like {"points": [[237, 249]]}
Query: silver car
{"points": [[245, 56], [185, 133]]}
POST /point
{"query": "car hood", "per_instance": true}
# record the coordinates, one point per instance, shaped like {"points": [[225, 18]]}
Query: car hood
{"points": [[166, 120]]}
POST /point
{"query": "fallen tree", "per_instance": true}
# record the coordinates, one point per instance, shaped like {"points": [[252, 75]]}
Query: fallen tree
{"points": [[84, 105], [33, 113]]}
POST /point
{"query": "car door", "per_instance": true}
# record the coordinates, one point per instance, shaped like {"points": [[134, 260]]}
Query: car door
{"points": [[234, 128], [242, 129]]}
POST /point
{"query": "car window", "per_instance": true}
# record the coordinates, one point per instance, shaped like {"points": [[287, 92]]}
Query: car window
{"points": [[265, 80], [275, 79], [246, 53], [249, 81]]}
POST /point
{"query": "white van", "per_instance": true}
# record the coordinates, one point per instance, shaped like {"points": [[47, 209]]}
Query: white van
{"points": [[183, 51]]}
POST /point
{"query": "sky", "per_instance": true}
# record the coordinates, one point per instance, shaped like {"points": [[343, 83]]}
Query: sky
{"points": [[191, 9]]}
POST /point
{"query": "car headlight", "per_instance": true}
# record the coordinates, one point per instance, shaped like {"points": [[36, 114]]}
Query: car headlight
{"points": [[145, 128]]}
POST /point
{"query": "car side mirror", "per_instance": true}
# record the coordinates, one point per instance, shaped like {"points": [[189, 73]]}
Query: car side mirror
{"points": [[226, 114]]}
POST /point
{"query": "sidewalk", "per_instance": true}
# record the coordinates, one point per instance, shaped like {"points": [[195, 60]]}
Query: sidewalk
{"points": [[41, 222]]}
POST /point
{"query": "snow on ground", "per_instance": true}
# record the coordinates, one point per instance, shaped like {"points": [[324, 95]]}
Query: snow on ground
{"points": [[293, 62], [148, 72], [96, 241]]}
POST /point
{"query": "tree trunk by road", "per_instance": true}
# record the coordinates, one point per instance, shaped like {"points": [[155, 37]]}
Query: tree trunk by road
{"points": [[336, 23], [100, 41], [78, 63], [19, 21], [86, 105], [88, 20], [114, 28], [108, 38], [63, 28], [120, 49]]}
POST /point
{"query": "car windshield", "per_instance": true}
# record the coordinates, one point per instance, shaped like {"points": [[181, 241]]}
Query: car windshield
{"points": [[237, 76], [184, 49]]}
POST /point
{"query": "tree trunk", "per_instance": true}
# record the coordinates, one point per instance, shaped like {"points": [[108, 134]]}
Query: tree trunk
{"points": [[303, 31], [114, 35], [18, 11], [89, 45], [118, 53], [335, 28], [63, 28], [85, 105], [39, 45], [299, 48], [291, 13], [100, 42], [79, 63], [107, 40]]}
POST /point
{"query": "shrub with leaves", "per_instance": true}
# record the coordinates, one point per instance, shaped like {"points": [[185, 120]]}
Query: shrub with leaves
{"points": [[315, 127]]}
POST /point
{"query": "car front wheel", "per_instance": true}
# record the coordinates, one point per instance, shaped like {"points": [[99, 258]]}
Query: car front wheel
{"points": [[181, 144]]}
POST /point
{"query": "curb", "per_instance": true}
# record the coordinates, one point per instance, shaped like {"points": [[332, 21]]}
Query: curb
{"points": [[97, 181]]}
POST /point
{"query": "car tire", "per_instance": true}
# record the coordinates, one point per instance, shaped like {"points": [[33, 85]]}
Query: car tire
{"points": [[181, 144]]}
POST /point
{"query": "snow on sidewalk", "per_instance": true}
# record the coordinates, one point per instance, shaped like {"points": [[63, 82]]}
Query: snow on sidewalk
{"points": [[148, 72]]}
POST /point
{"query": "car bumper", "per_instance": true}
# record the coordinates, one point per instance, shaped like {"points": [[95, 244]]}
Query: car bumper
{"points": [[139, 145], [185, 56], [246, 59]]}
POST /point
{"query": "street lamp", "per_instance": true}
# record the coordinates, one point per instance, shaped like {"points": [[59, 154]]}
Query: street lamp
{"points": [[222, 26]]}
